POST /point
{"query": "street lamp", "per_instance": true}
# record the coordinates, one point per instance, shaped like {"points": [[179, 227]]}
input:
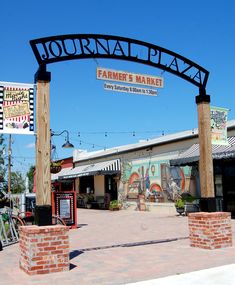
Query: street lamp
{"points": [[67, 143]]}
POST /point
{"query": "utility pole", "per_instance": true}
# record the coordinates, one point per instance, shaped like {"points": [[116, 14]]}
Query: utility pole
{"points": [[9, 164]]}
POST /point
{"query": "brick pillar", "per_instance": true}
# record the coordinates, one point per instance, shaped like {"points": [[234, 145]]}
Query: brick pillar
{"points": [[210, 230], [44, 249]]}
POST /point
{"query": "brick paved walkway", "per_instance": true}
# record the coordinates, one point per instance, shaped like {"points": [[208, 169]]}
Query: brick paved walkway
{"points": [[122, 247]]}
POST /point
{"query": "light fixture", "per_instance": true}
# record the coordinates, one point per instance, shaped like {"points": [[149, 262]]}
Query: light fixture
{"points": [[67, 143]]}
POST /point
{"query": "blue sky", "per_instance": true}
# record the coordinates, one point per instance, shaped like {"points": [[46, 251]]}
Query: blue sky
{"points": [[202, 31]]}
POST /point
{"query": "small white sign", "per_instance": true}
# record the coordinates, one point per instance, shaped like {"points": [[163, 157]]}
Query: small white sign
{"points": [[129, 89], [65, 208]]}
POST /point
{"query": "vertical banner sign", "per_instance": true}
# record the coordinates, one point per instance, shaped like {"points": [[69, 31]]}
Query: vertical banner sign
{"points": [[16, 108], [219, 118]]}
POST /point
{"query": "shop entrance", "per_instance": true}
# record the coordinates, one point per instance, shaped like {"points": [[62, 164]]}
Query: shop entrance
{"points": [[111, 187], [228, 187], [86, 185]]}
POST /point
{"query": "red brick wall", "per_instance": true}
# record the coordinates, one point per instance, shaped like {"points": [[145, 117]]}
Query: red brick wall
{"points": [[210, 230], [44, 249]]}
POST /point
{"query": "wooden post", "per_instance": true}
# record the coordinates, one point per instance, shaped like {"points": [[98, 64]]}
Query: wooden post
{"points": [[204, 133], [43, 149]]}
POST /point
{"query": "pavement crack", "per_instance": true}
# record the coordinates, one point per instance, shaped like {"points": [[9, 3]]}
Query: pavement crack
{"points": [[132, 244]]}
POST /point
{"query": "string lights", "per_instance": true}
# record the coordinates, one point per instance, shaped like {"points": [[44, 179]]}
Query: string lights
{"points": [[92, 145]]}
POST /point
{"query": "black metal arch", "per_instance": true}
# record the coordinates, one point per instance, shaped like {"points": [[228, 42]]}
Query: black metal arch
{"points": [[81, 46]]}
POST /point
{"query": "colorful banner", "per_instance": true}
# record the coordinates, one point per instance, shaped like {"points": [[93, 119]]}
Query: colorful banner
{"points": [[16, 108], [219, 118]]}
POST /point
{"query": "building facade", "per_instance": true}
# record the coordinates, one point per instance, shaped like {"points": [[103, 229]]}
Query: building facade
{"points": [[142, 168]]}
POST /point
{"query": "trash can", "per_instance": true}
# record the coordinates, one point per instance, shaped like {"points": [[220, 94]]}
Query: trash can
{"points": [[211, 204]]}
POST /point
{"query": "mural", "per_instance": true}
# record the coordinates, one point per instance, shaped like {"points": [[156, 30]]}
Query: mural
{"points": [[157, 180]]}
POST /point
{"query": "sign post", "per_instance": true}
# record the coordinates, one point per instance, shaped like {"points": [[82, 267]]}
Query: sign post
{"points": [[43, 210]]}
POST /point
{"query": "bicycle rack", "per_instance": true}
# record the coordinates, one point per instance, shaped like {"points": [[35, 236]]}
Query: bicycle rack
{"points": [[7, 237]]}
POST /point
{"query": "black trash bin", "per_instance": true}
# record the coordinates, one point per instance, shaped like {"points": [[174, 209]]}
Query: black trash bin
{"points": [[211, 204], [43, 215]]}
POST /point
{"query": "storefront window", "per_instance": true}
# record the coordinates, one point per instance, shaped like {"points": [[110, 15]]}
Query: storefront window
{"points": [[67, 185]]}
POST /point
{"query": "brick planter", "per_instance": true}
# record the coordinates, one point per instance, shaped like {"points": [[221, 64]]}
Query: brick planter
{"points": [[210, 230], [44, 249]]}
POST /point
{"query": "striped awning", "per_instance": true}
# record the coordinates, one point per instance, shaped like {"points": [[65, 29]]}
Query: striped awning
{"points": [[192, 155], [99, 168], [63, 171]]}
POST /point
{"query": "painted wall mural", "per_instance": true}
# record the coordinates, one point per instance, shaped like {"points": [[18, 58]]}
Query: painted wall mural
{"points": [[156, 179]]}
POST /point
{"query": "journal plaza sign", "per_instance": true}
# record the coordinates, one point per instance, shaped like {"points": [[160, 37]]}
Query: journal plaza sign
{"points": [[80, 46]]}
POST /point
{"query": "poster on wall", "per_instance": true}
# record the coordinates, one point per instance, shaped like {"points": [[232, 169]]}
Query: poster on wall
{"points": [[219, 118], [16, 108]]}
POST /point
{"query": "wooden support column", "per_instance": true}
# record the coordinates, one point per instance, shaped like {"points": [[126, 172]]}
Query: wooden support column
{"points": [[43, 149], [204, 133]]}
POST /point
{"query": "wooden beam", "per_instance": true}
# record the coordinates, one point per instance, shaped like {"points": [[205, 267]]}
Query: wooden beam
{"points": [[43, 144], [205, 146]]}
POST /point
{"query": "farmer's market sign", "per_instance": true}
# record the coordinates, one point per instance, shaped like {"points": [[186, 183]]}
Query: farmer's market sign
{"points": [[127, 77]]}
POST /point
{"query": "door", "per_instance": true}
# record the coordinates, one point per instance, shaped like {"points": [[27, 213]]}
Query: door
{"points": [[229, 187], [111, 187]]}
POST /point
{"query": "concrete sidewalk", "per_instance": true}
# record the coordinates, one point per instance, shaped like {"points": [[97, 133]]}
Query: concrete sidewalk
{"points": [[124, 247], [213, 276]]}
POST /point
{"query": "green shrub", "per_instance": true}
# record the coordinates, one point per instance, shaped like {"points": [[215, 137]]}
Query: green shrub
{"points": [[179, 203], [113, 204]]}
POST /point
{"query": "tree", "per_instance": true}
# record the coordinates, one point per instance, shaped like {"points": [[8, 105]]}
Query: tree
{"points": [[17, 182], [30, 175]]}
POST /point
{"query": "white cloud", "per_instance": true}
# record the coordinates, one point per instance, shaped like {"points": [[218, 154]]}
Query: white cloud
{"points": [[30, 145]]}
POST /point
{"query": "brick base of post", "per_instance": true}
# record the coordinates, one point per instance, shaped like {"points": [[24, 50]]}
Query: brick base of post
{"points": [[44, 249], [210, 230]]}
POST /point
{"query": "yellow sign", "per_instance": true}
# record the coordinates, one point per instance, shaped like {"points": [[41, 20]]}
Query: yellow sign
{"points": [[12, 111]]}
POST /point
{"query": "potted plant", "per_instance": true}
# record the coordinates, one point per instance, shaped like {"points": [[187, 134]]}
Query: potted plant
{"points": [[113, 205], [179, 205], [191, 203], [90, 199]]}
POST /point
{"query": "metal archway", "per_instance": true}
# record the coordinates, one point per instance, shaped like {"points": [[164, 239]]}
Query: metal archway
{"points": [[84, 46]]}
